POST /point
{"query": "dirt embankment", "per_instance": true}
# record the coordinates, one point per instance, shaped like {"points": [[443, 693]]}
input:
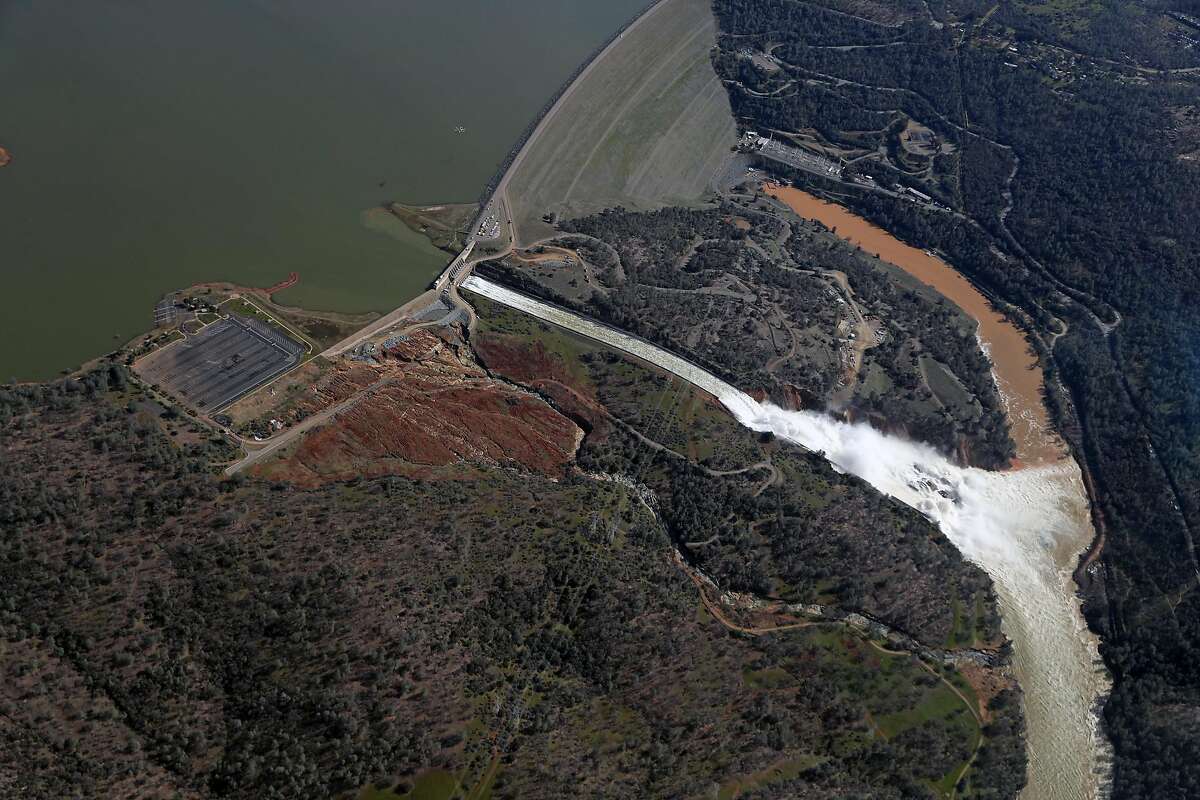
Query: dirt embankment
{"points": [[530, 364], [446, 225], [5, 157], [431, 407]]}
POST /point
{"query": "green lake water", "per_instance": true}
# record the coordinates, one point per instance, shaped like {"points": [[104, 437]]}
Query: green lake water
{"points": [[160, 143]]}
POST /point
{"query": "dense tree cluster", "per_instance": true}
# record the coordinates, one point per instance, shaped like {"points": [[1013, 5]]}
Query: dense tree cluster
{"points": [[753, 303], [815, 536], [1078, 210], [788, 527], [169, 633]]}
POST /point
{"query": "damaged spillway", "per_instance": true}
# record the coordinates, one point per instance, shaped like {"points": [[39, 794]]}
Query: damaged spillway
{"points": [[1019, 527], [1023, 527]]}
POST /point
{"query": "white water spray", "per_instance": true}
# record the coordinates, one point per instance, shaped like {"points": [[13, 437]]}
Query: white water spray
{"points": [[1024, 528], [1014, 525]]}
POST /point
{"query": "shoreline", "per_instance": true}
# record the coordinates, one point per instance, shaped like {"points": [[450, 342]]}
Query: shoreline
{"points": [[492, 191], [260, 294], [497, 186]]}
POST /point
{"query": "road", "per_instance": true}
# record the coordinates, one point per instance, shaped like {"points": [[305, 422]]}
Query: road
{"points": [[381, 324], [446, 285], [740, 404], [460, 268], [286, 437]]}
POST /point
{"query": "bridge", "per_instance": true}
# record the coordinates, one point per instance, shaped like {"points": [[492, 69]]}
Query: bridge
{"points": [[458, 267]]}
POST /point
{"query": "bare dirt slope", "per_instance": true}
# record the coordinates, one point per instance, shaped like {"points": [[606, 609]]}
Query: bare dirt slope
{"points": [[165, 633], [426, 405]]}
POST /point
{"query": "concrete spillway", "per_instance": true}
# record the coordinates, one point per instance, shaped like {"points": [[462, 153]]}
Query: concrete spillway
{"points": [[1012, 524], [739, 403]]}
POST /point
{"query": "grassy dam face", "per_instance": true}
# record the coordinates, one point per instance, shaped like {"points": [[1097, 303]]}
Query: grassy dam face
{"points": [[1023, 527]]}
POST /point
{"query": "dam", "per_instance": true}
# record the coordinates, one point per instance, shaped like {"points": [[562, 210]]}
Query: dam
{"points": [[1019, 526]]}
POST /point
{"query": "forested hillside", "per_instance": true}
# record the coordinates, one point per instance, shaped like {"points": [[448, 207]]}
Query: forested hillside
{"points": [[480, 631], [1062, 144], [783, 308]]}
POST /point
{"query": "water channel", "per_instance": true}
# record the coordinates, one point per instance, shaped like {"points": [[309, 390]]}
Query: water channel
{"points": [[1024, 527], [1030, 557]]}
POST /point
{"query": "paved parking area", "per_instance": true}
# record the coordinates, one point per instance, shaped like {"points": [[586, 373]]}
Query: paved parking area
{"points": [[221, 363]]}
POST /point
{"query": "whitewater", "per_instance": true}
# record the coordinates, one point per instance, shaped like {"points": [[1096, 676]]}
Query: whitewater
{"points": [[1014, 525], [1024, 527]]}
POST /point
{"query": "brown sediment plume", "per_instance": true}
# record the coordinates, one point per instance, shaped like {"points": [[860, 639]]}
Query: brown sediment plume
{"points": [[1015, 365], [5, 157], [1053, 653], [291, 280]]}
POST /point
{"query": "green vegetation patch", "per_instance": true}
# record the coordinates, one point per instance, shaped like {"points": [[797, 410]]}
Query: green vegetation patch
{"points": [[446, 225], [780, 772], [948, 389], [967, 628], [769, 678], [437, 784], [243, 307]]}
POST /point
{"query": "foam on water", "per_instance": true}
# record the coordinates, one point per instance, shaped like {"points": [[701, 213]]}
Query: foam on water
{"points": [[1024, 528], [1013, 525]]}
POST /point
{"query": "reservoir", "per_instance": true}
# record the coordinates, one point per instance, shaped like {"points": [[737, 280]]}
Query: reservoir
{"points": [[160, 143]]}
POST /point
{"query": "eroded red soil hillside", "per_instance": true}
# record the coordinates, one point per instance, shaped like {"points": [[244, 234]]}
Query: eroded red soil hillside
{"points": [[428, 405]]}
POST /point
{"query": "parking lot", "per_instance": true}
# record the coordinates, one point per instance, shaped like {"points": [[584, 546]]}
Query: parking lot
{"points": [[489, 226], [222, 362]]}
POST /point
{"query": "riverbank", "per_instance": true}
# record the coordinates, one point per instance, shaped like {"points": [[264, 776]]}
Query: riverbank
{"points": [[1021, 526], [1016, 370], [1054, 652]]}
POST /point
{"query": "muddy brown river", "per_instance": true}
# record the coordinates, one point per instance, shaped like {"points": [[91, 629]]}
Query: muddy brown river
{"points": [[1015, 366], [1032, 524]]}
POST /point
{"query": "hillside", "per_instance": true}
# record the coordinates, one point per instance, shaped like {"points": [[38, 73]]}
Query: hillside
{"points": [[1057, 143], [484, 631], [782, 307]]}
